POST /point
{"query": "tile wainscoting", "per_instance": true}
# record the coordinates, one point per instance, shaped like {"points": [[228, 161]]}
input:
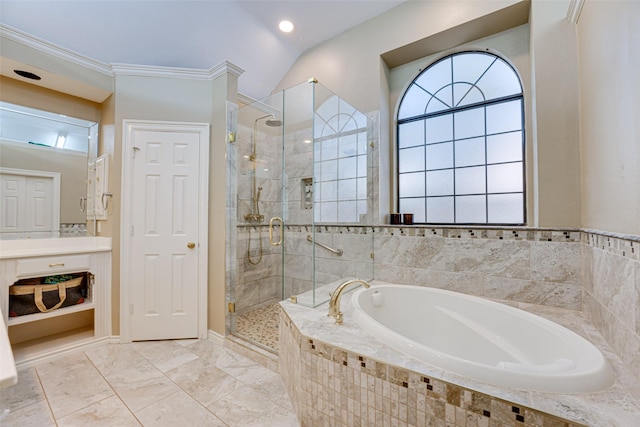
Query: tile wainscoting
{"points": [[591, 271], [611, 298], [519, 264]]}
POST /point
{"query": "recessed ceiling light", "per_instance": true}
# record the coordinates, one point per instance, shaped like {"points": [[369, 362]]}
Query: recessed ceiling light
{"points": [[286, 26], [27, 74]]}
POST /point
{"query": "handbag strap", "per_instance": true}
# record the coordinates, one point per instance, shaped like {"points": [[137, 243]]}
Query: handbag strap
{"points": [[62, 292]]}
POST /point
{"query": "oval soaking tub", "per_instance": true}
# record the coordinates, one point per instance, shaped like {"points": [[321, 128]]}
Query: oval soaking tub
{"points": [[481, 339]]}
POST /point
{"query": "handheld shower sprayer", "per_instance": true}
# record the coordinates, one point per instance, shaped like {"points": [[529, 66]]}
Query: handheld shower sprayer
{"points": [[254, 216]]}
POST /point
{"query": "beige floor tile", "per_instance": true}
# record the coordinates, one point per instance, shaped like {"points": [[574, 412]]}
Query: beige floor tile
{"points": [[264, 381], [108, 413], [71, 383], [142, 393], [25, 393], [203, 381], [177, 410], [204, 384], [206, 349], [35, 415], [246, 407], [165, 355], [136, 380]]}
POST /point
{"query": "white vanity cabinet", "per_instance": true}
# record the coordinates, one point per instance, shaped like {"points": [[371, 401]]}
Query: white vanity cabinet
{"points": [[37, 336]]}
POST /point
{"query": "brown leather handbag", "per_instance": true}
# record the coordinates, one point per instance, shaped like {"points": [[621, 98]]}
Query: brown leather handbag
{"points": [[29, 296]]}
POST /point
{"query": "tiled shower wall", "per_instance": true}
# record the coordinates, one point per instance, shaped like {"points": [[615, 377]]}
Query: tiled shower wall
{"points": [[256, 285]]}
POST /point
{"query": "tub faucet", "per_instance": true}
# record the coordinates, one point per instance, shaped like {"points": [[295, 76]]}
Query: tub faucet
{"points": [[334, 303]]}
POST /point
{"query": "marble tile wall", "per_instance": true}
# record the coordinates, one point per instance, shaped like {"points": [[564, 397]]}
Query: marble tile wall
{"points": [[611, 279], [519, 264]]}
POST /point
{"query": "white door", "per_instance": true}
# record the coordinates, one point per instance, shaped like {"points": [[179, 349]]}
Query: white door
{"points": [[12, 203], [39, 195], [29, 201], [164, 217]]}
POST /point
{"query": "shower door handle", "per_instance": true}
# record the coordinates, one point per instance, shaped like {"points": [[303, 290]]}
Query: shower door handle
{"points": [[279, 242]]}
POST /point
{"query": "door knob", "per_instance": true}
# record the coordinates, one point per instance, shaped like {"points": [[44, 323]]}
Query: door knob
{"points": [[191, 245]]}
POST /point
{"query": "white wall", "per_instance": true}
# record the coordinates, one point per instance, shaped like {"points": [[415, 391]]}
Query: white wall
{"points": [[609, 54], [352, 66], [349, 64]]}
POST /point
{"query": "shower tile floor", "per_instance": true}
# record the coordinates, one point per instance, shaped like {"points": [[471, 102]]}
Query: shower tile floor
{"points": [[155, 383], [261, 325]]}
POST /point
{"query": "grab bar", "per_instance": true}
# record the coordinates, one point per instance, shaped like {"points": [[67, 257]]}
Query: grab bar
{"points": [[335, 251]]}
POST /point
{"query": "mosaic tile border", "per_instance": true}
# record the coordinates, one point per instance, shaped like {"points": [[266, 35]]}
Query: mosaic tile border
{"points": [[625, 246], [508, 233], [344, 388]]}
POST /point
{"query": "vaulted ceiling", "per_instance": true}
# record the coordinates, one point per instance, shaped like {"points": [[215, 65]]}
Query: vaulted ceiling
{"points": [[192, 34]]}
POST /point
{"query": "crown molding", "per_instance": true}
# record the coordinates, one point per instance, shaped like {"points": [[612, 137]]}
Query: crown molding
{"points": [[160, 71], [49, 48], [245, 99], [573, 13], [225, 67], [176, 72]]}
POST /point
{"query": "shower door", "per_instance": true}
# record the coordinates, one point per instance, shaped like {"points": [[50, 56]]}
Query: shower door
{"points": [[300, 215], [256, 231]]}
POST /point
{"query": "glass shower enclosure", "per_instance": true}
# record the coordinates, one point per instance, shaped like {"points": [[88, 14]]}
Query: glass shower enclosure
{"points": [[300, 214]]}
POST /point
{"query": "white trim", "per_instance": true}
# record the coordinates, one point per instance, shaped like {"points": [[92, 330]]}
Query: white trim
{"points": [[245, 99], [34, 42], [28, 40], [574, 10], [128, 127], [176, 72], [215, 337], [159, 71], [72, 348], [223, 68]]}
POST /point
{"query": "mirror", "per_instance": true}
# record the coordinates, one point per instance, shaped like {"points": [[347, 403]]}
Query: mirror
{"points": [[44, 160]]}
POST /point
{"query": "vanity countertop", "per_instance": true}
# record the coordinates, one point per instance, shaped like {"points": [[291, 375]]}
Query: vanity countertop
{"points": [[24, 248]]}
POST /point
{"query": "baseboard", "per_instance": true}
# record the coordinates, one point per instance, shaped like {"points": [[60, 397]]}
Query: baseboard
{"points": [[215, 337]]}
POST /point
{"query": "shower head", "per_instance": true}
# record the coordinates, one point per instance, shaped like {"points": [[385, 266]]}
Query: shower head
{"points": [[273, 123]]}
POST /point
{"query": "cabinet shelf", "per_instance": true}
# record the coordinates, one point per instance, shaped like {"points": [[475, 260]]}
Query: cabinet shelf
{"points": [[32, 349], [87, 305]]}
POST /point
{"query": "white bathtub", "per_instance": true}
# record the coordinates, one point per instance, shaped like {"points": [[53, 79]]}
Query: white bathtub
{"points": [[481, 339]]}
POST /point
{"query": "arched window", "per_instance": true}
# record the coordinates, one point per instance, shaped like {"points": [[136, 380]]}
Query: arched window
{"points": [[340, 162], [460, 134]]}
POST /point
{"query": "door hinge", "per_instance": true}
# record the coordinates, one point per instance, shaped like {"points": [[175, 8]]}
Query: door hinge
{"points": [[130, 308], [232, 307], [132, 229]]}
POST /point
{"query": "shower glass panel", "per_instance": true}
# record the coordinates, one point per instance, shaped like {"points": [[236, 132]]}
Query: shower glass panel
{"points": [[301, 214]]}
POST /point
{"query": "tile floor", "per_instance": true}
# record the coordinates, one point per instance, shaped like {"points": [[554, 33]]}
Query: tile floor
{"points": [[158, 383]]}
